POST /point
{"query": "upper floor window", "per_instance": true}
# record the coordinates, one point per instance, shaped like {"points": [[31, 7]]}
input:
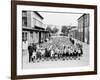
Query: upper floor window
{"points": [[24, 13], [24, 18]]}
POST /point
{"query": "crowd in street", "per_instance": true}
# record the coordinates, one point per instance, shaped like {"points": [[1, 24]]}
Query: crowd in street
{"points": [[55, 49]]}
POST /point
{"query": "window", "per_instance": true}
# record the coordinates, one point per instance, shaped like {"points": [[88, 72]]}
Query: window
{"points": [[24, 36], [24, 21], [31, 35], [24, 18], [24, 13]]}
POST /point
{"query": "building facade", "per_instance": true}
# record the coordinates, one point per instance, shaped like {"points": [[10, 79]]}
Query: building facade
{"points": [[32, 30], [83, 28], [74, 33]]}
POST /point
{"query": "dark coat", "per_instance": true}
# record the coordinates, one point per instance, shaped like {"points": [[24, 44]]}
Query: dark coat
{"points": [[30, 50]]}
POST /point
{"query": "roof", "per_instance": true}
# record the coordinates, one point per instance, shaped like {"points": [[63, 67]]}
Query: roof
{"points": [[81, 16], [38, 14], [37, 27], [30, 29]]}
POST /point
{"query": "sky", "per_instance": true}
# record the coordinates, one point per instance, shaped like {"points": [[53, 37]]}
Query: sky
{"points": [[59, 19]]}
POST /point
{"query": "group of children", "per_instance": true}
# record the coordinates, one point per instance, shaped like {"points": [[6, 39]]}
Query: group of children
{"points": [[52, 53]]}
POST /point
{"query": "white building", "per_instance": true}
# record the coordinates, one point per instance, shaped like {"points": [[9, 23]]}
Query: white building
{"points": [[32, 30]]}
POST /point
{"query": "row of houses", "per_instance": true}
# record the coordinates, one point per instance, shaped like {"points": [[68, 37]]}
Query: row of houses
{"points": [[82, 31], [32, 27]]}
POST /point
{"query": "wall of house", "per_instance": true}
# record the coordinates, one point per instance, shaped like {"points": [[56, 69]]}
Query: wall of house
{"points": [[80, 28], [33, 20], [29, 19], [83, 28], [36, 20], [74, 34], [86, 28]]}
